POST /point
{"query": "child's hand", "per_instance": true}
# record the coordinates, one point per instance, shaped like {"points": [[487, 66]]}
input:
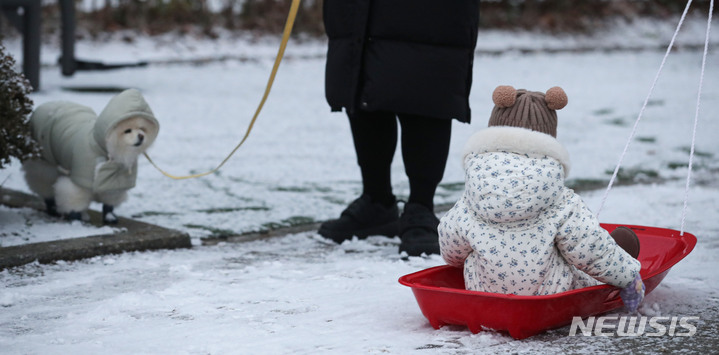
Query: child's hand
{"points": [[633, 294]]}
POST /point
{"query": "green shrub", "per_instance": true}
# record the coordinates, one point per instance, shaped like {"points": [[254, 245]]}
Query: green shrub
{"points": [[15, 106]]}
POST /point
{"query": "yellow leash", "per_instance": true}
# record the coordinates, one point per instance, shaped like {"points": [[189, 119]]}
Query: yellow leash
{"points": [[285, 37]]}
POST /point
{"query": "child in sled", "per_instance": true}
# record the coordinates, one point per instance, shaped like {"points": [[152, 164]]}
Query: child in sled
{"points": [[517, 228]]}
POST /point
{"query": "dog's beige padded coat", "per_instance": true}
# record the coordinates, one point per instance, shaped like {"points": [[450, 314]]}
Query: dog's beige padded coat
{"points": [[73, 137]]}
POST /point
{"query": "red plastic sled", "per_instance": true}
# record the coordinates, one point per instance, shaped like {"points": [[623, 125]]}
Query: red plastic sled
{"points": [[443, 299]]}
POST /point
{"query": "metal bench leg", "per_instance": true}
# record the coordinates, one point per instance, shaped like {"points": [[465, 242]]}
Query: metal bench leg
{"points": [[68, 63], [31, 43]]}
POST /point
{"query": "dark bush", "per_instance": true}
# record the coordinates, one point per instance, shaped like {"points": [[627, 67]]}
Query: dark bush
{"points": [[268, 16], [271, 15], [572, 15]]}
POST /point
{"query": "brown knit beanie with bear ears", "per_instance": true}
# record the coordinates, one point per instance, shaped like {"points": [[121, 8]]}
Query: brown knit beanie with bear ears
{"points": [[527, 109]]}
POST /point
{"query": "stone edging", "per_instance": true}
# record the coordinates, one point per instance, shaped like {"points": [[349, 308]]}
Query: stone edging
{"points": [[137, 236]]}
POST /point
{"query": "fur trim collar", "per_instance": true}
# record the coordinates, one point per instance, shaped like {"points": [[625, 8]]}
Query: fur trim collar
{"points": [[517, 140]]}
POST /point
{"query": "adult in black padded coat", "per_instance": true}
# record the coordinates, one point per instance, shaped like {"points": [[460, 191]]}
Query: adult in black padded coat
{"points": [[408, 61]]}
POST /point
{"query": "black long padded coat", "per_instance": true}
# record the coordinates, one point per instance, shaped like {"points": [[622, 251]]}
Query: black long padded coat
{"points": [[404, 56]]}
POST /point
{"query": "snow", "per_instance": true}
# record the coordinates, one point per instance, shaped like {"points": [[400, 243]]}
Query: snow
{"points": [[300, 293], [26, 225]]}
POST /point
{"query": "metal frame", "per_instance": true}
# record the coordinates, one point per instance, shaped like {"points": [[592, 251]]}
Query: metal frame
{"points": [[29, 24]]}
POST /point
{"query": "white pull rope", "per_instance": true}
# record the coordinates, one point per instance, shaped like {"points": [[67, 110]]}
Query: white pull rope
{"points": [[644, 106], [696, 116]]}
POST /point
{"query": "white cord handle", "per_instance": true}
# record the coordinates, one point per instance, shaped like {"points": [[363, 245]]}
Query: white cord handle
{"points": [[644, 106], [696, 116]]}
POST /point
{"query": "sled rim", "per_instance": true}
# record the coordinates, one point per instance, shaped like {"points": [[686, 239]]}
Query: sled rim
{"points": [[688, 239]]}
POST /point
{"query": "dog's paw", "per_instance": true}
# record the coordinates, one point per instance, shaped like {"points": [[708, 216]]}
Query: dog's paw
{"points": [[108, 214], [110, 218], [51, 207], [73, 216]]}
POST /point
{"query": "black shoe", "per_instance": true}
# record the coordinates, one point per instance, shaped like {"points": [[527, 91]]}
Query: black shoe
{"points": [[362, 218], [418, 230]]}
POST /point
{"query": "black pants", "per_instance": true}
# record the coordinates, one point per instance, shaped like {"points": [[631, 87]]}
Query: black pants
{"points": [[425, 146]]}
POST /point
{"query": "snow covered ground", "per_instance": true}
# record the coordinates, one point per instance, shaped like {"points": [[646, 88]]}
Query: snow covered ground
{"points": [[301, 294], [20, 226]]}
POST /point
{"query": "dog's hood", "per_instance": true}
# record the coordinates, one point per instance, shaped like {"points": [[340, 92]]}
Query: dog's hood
{"points": [[126, 104]]}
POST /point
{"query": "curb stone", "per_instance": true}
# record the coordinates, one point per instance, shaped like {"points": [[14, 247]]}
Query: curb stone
{"points": [[137, 236]]}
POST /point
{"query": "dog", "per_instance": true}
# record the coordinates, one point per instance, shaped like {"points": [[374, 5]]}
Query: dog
{"points": [[88, 157]]}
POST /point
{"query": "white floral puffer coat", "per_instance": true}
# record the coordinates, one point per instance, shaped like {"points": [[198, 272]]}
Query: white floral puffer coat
{"points": [[518, 229]]}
